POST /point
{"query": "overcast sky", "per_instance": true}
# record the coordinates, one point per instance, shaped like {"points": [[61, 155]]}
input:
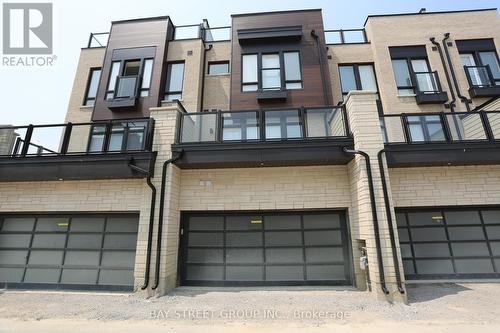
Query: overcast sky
{"points": [[40, 96]]}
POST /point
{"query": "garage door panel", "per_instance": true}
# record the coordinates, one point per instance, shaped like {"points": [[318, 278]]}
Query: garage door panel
{"points": [[11, 274], [325, 272], [79, 276], [324, 237], [205, 255], [78, 241], [264, 249], [13, 257], [466, 233], [470, 249], [245, 273], [285, 273], [474, 266], [245, 256], [82, 258], [38, 257], [14, 240], [276, 222], [462, 242], [18, 224], [68, 249], [244, 239], [434, 266], [42, 275], [324, 254]]}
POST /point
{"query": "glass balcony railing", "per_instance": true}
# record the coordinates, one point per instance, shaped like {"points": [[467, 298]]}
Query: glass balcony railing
{"points": [[77, 138], [346, 36], [217, 34], [99, 39], [263, 125], [441, 127], [126, 86], [427, 82], [479, 76]]}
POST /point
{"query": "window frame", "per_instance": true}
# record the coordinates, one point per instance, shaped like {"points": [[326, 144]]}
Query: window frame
{"points": [[357, 76], [411, 72], [86, 97], [218, 62], [167, 80], [477, 59], [282, 71], [121, 70]]}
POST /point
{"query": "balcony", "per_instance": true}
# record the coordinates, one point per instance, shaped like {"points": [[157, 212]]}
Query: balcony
{"points": [[125, 93], [270, 137], [481, 81], [346, 36], [98, 150], [430, 139], [428, 88]]}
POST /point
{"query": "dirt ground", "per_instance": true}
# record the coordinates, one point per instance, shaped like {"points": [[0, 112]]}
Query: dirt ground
{"points": [[457, 307]]}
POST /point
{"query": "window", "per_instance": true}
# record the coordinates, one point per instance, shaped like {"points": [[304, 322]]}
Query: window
{"points": [[283, 124], [217, 68], [271, 71], [425, 128], [175, 78], [124, 136], [480, 61], [249, 75], [93, 83], [357, 77], [124, 78]]}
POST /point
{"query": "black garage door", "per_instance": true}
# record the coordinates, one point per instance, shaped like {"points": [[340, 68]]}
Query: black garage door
{"points": [[450, 243], [265, 249], [68, 251]]}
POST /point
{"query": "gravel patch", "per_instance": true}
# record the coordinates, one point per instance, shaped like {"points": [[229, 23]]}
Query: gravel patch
{"points": [[477, 303]]}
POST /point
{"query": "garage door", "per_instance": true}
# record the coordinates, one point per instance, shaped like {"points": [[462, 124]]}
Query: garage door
{"points": [[68, 251], [265, 249], [446, 243]]}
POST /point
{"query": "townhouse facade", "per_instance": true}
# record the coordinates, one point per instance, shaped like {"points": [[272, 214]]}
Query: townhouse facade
{"points": [[269, 152]]}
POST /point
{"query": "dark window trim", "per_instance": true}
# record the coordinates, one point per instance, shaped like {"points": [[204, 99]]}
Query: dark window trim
{"points": [[260, 69], [219, 62], [479, 62], [357, 77], [121, 70], [167, 78], [86, 99], [411, 71]]}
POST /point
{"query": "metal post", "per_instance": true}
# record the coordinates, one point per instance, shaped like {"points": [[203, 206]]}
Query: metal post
{"points": [[27, 139], [66, 138]]}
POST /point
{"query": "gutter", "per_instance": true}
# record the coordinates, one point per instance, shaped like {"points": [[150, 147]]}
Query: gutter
{"points": [[448, 80], [151, 220], [160, 217], [326, 94], [389, 221], [452, 70], [374, 215], [203, 76]]}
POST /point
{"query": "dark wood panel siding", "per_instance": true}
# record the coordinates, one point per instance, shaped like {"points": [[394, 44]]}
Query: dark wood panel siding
{"points": [[134, 34], [313, 92]]}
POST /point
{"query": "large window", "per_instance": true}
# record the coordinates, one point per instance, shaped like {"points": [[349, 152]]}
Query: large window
{"points": [[93, 83], [125, 76], [271, 71], [403, 70], [175, 80], [357, 77], [425, 128]]}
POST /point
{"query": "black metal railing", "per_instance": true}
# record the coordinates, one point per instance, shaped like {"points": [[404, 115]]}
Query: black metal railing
{"points": [[103, 137], [418, 128], [99, 39], [427, 82], [346, 36], [263, 125], [479, 76]]}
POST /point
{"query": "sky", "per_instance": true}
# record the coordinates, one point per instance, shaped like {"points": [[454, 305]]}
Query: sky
{"points": [[40, 95]]}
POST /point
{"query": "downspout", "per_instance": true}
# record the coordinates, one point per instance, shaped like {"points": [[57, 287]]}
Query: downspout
{"points": [[205, 50], [448, 80], [326, 95], [452, 70], [389, 221], [151, 220], [374, 215], [160, 217]]}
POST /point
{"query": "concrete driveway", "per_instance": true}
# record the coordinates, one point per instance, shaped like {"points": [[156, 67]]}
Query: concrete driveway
{"points": [[456, 307]]}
